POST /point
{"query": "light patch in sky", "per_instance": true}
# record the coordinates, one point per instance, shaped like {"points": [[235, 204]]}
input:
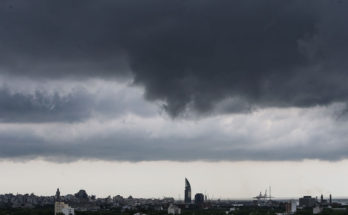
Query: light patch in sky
{"points": [[225, 180]]}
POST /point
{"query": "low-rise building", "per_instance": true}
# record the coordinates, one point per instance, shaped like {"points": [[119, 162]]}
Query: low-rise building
{"points": [[173, 209], [317, 210], [290, 207], [61, 207]]}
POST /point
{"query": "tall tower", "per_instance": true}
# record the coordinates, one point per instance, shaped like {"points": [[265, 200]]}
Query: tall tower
{"points": [[330, 201], [321, 199], [58, 195], [187, 192]]}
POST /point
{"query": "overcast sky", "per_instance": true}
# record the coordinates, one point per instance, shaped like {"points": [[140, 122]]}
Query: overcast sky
{"points": [[158, 84]]}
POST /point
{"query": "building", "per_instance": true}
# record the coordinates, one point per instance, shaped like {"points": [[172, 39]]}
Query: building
{"points": [[323, 202], [57, 197], [199, 199], [290, 207], [173, 209], [307, 202], [61, 207], [187, 192], [330, 200], [82, 195], [68, 211], [317, 210]]}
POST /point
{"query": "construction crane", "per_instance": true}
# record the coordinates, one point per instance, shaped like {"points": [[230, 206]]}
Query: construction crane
{"points": [[265, 196]]}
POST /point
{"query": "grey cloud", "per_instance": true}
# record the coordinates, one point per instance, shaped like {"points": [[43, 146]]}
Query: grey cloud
{"points": [[274, 134], [42, 107], [271, 134], [134, 147], [190, 54], [75, 106], [268, 54]]}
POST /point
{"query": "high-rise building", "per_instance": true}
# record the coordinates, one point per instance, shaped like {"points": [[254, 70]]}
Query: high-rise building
{"points": [[307, 201], [330, 200], [60, 207], [199, 199], [187, 192], [57, 195]]}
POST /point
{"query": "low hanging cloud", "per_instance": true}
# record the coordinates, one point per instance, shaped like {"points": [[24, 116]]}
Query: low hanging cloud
{"points": [[49, 105], [40, 107], [274, 134], [191, 54]]}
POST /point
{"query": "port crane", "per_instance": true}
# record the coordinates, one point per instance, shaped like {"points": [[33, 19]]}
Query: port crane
{"points": [[265, 196]]}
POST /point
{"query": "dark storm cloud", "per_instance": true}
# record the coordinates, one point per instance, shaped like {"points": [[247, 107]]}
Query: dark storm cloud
{"points": [[75, 106], [190, 54], [41, 107]]}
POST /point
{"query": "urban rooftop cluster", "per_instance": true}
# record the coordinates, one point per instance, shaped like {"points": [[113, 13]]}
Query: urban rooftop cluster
{"points": [[81, 201]]}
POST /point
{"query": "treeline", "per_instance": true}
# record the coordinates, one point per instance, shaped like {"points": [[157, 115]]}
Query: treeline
{"points": [[26, 211]]}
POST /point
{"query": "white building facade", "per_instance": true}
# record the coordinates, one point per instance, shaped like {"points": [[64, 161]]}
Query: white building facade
{"points": [[173, 209], [61, 207]]}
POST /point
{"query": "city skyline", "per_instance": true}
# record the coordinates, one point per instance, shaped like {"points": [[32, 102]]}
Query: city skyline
{"points": [[83, 194], [293, 182]]}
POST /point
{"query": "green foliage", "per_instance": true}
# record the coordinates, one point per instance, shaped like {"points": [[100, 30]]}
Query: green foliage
{"points": [[26, 211], [305, 211], [254, 211], [328, 211], [203, 212]]}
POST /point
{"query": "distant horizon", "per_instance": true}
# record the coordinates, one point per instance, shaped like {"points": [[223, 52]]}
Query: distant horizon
{"points": [[209, 199], [167, 179]]}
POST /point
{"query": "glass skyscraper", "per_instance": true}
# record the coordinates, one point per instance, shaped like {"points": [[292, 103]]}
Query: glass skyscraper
{"points": [[187, 192]]}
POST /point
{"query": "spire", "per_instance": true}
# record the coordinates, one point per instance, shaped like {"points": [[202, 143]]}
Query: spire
{"points": [[330, 201], [57, 195]]}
